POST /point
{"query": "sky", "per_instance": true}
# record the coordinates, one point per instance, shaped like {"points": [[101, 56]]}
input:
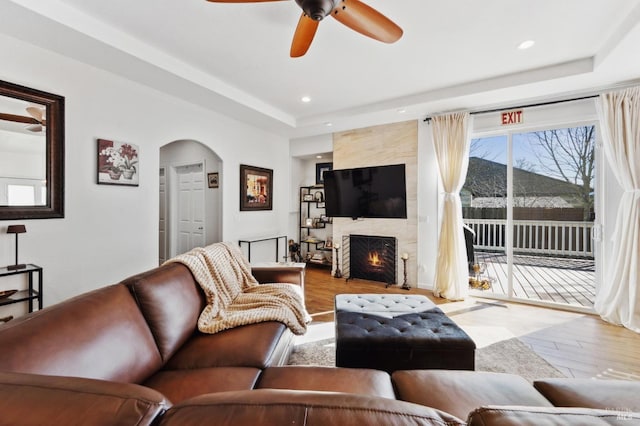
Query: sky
{"points": [[525, 149]]}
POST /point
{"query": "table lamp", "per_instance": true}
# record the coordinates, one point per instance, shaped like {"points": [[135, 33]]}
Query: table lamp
{"points": [[16, 229]]}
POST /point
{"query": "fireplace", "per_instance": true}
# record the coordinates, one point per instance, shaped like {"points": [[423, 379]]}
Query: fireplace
{"points": [[373, 258]]}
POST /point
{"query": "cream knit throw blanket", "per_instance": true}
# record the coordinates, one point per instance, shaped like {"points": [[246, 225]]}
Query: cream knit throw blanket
{"points": [[234, 297]]}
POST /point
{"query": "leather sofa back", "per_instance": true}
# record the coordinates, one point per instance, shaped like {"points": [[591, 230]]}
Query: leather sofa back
{"points": [[274, 274], [100, 334], [32, 399], [276, 407], [602, 394], [171, 301]]}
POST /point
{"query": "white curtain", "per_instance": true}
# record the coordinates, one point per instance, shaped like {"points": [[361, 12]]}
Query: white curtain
{"points": [[618, 299], [450, 138]]}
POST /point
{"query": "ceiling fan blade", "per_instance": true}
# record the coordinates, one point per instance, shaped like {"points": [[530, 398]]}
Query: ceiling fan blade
{"points": [[305, 31], [241, 1], [37, 128], [37, 113], [18, 118], [367, 21]]}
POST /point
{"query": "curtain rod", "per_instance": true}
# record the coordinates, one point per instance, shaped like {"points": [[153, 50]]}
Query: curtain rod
{"points": [[559, 101]]}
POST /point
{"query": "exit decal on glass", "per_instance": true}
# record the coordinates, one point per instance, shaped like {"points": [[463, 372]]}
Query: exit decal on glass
{"points": [[511, 117]]}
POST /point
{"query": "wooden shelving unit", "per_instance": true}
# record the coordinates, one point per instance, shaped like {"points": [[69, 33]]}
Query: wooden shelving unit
{"points": [[314, 227]]}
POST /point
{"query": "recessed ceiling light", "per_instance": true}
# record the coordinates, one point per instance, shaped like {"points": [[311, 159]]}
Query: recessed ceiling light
{"points": [[401, 111], [318, 156], [328, 124], [305, 99], [526, 44]]}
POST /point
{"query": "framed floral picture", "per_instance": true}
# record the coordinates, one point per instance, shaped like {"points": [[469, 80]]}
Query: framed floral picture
{"points": [[117, 163], [256, 188]]}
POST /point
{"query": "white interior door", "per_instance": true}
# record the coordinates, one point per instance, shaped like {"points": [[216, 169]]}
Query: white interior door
{"points": [[162, 225], [190, 207]]}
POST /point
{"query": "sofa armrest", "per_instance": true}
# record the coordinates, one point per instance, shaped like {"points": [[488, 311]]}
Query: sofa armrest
{"points": [[279, 274], [38, 399], [601, 394]]}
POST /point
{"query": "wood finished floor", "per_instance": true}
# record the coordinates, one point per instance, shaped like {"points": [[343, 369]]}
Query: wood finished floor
{"points": [[566, 281], [579, 345]]}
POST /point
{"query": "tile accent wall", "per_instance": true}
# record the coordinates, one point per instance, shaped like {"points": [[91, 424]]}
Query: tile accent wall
{"points": [[395, 143]]}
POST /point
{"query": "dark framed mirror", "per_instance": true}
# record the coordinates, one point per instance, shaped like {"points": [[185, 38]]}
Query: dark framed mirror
{"points": [[31, 153]]}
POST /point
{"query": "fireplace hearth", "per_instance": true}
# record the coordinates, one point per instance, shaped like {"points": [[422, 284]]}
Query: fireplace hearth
{"points": [[373, 258]]}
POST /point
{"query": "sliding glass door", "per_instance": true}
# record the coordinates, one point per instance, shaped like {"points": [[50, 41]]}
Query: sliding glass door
{"points": [[528, 205]]}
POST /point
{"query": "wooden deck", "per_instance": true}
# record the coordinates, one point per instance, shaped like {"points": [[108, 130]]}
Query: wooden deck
{"points": [[551, 279]]}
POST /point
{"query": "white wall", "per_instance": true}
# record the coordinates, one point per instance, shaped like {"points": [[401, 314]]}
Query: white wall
{"points": [[111, 232], [305, 147]]}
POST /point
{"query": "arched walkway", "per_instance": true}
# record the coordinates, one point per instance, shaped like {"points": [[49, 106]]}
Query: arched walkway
{"points": [[190, 208]]}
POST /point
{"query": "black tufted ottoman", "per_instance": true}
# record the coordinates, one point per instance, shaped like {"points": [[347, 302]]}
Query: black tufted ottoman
{"points": [[398, 332]]}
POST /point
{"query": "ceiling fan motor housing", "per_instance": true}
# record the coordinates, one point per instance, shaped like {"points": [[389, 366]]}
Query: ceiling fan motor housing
{"points": [[317, 9]]}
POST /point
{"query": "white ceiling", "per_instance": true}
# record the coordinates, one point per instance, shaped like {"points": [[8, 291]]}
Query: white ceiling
{"points": [[234, 58]]}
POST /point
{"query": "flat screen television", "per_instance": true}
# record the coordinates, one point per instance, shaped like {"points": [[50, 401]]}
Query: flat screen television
{"points": [[366, 192]]}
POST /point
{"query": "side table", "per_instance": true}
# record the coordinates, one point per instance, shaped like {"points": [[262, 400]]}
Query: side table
{"points": [[28, 295]]}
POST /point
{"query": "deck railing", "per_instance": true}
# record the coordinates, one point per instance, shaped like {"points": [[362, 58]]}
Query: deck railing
{"points": [[549, 237]]}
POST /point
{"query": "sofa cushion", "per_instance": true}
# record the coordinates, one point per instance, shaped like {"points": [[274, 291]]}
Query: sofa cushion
{"points": [[554, 416], [178, 385], [33, 399], [276, 407], [171, 302], [604, 394], [100, 334], [251, 345], [349, 380], [459, 392]]}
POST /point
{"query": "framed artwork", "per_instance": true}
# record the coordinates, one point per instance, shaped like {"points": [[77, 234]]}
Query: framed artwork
{"points": [[256, 188], [320, 169], [118, 163], [212, 179], [328, 243]]}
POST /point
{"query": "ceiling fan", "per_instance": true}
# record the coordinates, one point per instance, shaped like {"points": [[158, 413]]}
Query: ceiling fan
{"points": [[35, 123], [352, 13]]}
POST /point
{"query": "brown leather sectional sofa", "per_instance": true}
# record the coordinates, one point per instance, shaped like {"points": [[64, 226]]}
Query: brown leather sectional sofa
{"points": [[130, 354]]}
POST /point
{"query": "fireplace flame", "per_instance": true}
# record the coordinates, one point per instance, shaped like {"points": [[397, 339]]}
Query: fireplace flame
{"points": [[374, 259]]}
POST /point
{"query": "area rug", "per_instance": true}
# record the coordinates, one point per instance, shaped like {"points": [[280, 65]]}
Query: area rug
{"points": [[507, 356]]}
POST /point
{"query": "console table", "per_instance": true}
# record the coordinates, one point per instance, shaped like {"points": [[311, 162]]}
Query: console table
{"points": [[28, 295], [259, 240]]}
